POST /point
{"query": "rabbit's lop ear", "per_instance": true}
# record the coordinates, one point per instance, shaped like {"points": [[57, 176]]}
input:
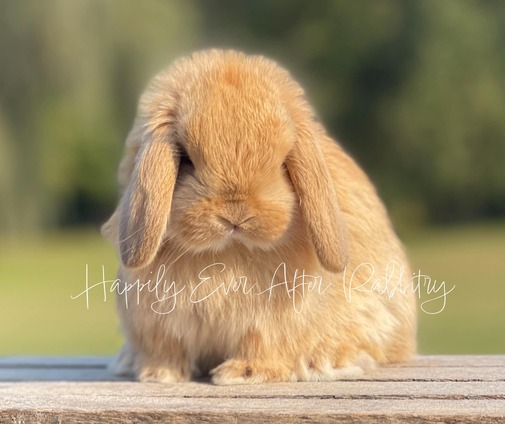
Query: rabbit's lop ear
{"points": [[146, 203], [318, 201]]}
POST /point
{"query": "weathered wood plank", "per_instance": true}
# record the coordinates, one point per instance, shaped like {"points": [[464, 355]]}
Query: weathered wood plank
{"points": [[263, 410], [384, 375], [404, 373], [322, 390], [467, 361], [444, 389]]}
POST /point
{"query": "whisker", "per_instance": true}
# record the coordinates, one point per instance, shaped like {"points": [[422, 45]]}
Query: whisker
{"points": [[131, 235]]}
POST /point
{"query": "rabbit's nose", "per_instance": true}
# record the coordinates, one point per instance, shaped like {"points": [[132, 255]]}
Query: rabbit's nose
{"points": [[234, 223]]}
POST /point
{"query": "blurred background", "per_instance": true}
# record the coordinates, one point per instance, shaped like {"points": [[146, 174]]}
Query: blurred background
{"points": [[415, 91]]}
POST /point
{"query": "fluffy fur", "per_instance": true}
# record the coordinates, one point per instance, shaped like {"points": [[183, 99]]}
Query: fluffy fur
{"points": [[226, 164]]}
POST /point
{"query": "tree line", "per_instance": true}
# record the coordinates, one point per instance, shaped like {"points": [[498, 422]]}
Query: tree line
{"points": [[414, 90]]}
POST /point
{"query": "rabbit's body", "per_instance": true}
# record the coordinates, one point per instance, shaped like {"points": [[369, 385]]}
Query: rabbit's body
{"points": [[242, 226]]}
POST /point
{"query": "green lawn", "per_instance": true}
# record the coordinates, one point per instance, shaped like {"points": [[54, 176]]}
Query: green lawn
{"points": [[38, 278], [473, 260]]}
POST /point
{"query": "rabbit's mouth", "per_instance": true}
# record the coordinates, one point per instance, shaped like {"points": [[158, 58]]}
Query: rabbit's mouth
{"points": [[236, 237]]}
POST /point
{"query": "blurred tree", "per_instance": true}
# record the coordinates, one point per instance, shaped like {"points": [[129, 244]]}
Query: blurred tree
{"points": [[448, 121], [7, 193], [71, 75]]}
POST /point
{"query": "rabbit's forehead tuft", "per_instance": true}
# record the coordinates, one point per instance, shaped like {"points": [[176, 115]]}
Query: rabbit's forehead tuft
{"points": [[236, 118]]}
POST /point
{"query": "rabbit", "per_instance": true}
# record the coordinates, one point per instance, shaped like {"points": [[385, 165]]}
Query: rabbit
{"points": [[229, 180]]}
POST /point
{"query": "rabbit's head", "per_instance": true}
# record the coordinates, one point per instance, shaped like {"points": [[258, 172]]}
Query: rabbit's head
{"points": [[228, 153]]}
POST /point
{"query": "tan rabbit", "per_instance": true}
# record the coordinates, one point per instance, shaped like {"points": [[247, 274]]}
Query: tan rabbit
{"points": [[277, 259]]}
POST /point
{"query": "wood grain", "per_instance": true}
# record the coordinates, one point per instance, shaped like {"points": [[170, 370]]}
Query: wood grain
{"points": [[429, 389]]}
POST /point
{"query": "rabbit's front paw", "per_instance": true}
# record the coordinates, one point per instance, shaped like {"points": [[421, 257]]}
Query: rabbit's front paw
{"points": [[158, 373], [236, 371]]}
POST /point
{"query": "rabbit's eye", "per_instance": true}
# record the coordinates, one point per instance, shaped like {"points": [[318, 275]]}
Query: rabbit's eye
{"points": [[285, 170], [184, 158]]}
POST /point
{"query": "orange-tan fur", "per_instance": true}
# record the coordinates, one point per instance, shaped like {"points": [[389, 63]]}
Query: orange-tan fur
{"points": [[262, 162]]}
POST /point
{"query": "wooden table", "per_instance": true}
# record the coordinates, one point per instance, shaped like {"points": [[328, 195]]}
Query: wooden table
{"points": [[447, 389]]}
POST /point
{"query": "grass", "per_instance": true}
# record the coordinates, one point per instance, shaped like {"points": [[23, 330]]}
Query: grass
{"points": [[472, 259], [38, 278]]}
